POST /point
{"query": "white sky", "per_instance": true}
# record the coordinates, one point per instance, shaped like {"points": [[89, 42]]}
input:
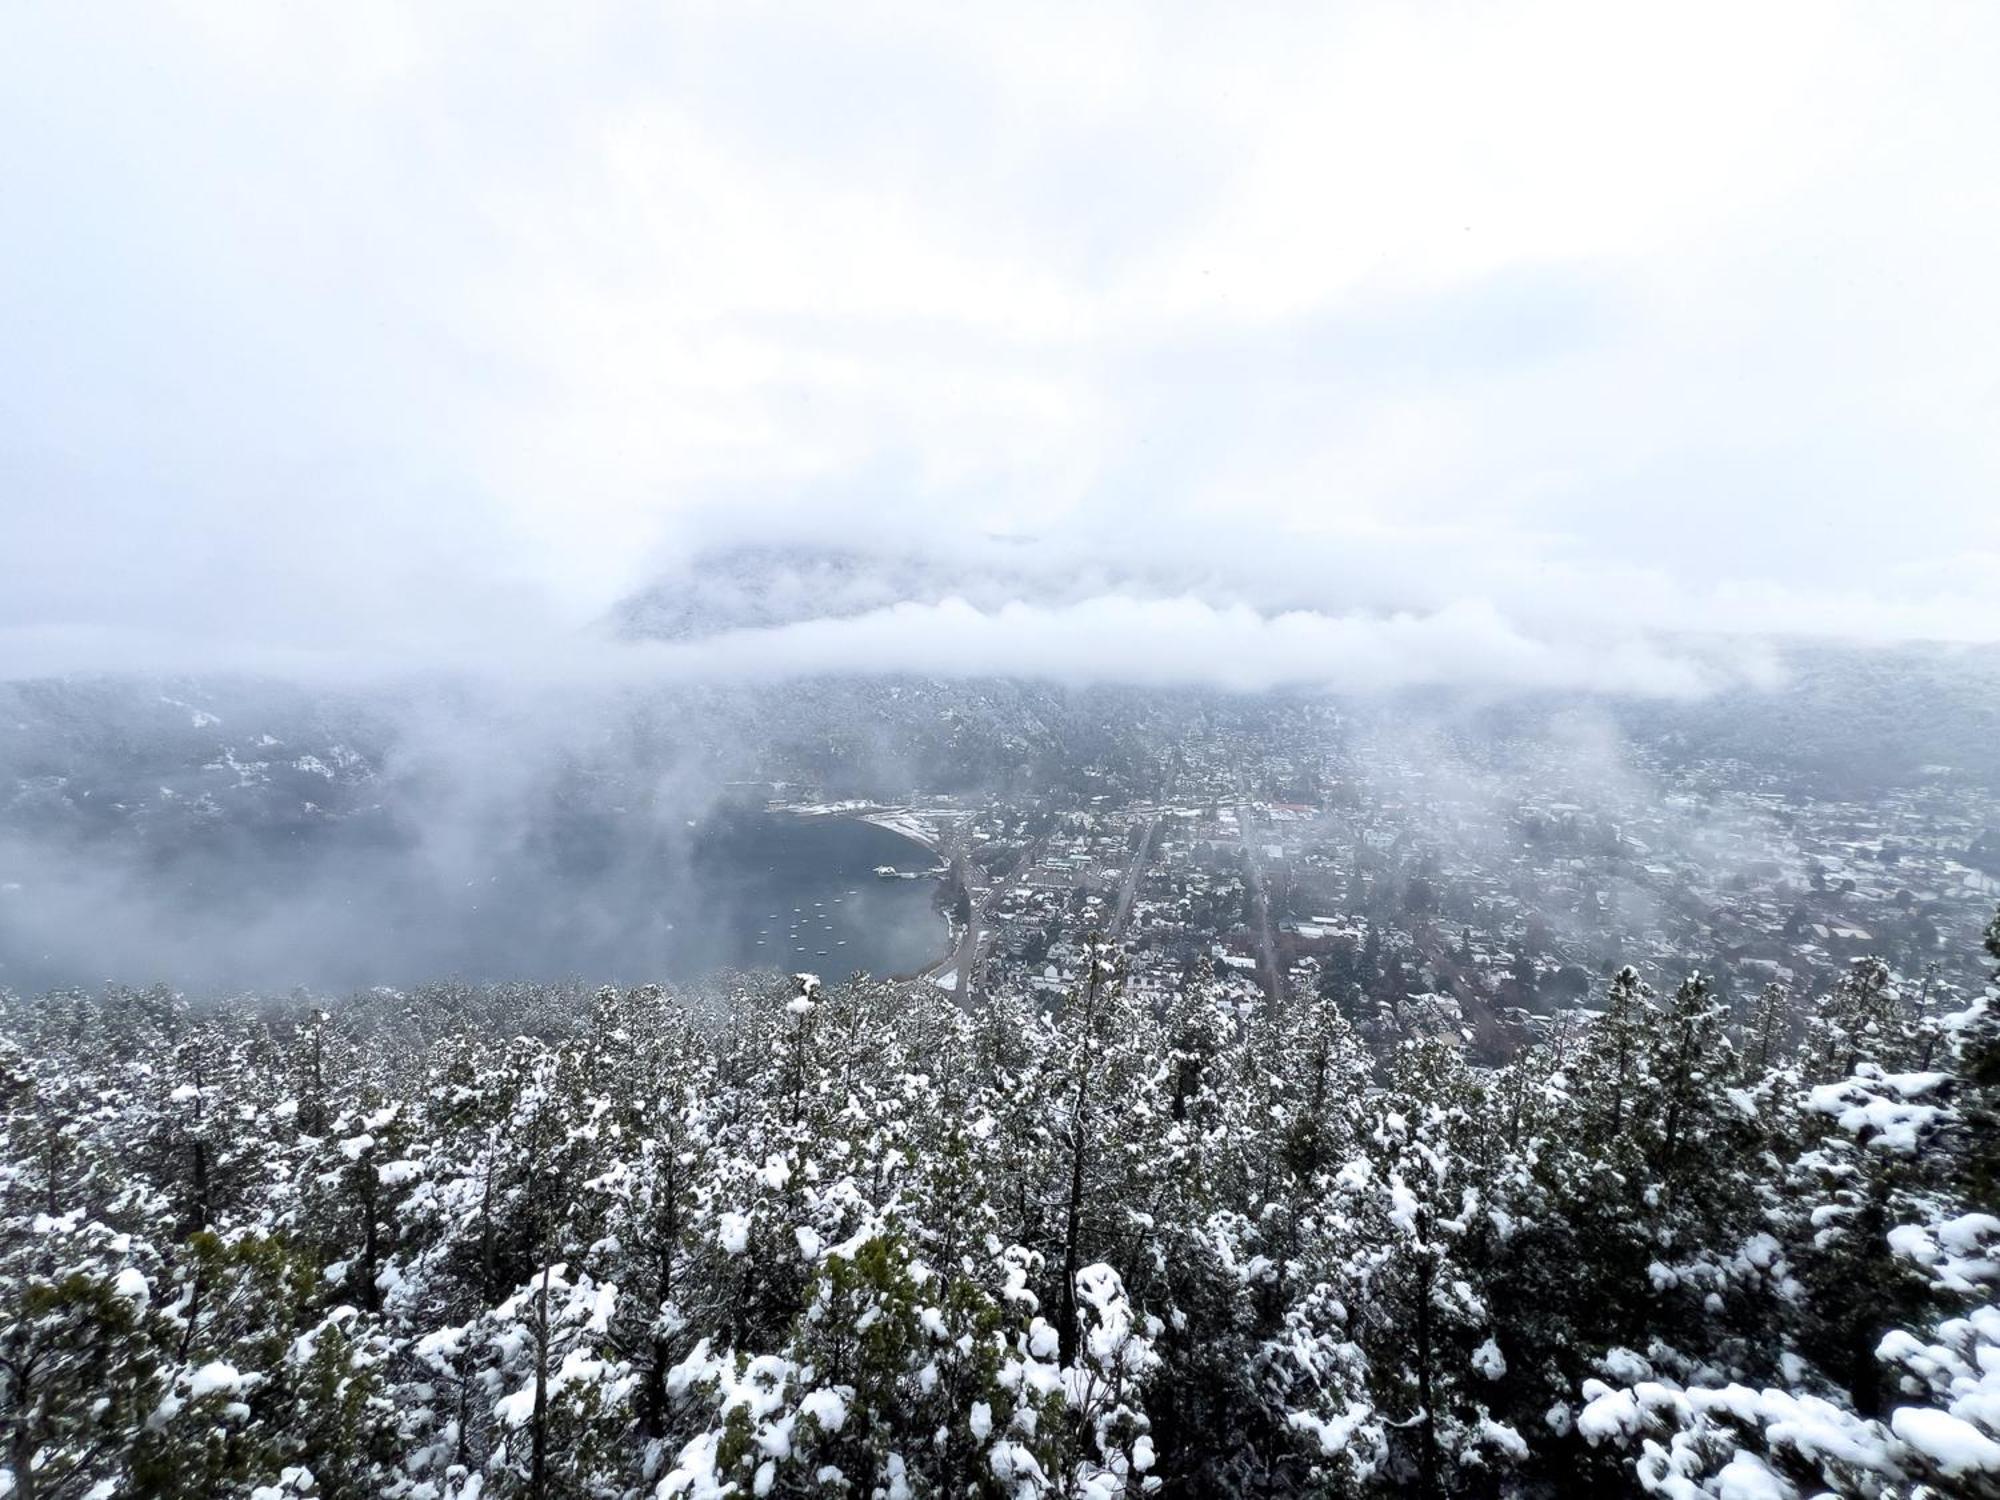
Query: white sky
{"points": [[363, 331]]}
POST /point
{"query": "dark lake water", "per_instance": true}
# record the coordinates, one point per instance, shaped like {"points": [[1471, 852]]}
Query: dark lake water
{"points": [[803, 894], [604, 899]]}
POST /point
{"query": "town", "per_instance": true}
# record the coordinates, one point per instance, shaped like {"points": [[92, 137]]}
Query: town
{"points": [[1430, 892]]}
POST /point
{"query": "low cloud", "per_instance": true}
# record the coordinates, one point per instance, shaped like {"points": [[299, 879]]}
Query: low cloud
{"points": [[1187, 640]]}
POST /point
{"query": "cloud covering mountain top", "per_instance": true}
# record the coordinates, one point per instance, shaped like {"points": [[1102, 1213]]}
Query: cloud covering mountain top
{"points": [[755, 613]]}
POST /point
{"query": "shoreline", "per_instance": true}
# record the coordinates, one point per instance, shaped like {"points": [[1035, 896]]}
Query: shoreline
{"points": [[897, 820]]}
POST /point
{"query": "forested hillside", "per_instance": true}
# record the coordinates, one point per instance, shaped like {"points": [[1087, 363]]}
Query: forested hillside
{"points": [[537, 1243]]}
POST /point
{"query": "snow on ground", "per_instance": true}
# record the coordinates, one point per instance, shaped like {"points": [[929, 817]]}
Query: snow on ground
{"points": [[908, 824]]}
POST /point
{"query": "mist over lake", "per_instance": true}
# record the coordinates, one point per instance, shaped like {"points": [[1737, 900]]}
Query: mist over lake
{"points": [[606, 899]]}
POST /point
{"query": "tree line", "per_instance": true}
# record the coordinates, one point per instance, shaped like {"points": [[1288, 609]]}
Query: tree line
{"points": [[540, 1241]]}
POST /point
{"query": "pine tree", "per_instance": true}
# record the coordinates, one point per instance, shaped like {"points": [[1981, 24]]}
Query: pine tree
{"points": [[652, 1204], [1766, 1035], [1862, 1019], [1414, 1201], [1609, 1072], [84, 1362], [564, 1405], [1099, 1055]]}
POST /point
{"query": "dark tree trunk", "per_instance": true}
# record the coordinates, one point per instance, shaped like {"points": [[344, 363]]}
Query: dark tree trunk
{"points": [[21, 1446], [1427, 1465], [538, 1461], [1072, 1229], [653, 1394], [371, 1295], [1079, 1125]]}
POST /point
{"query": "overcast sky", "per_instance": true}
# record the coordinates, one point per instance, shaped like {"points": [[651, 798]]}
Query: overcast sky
{"points": [[367, 332]]}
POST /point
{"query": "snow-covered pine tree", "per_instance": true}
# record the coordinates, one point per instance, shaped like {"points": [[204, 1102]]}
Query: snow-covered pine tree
{"points": [[1100, 1059], [1416, 1205]]}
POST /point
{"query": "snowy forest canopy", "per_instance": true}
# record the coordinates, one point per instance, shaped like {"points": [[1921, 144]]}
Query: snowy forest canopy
{"points": [[528, 1242]]}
